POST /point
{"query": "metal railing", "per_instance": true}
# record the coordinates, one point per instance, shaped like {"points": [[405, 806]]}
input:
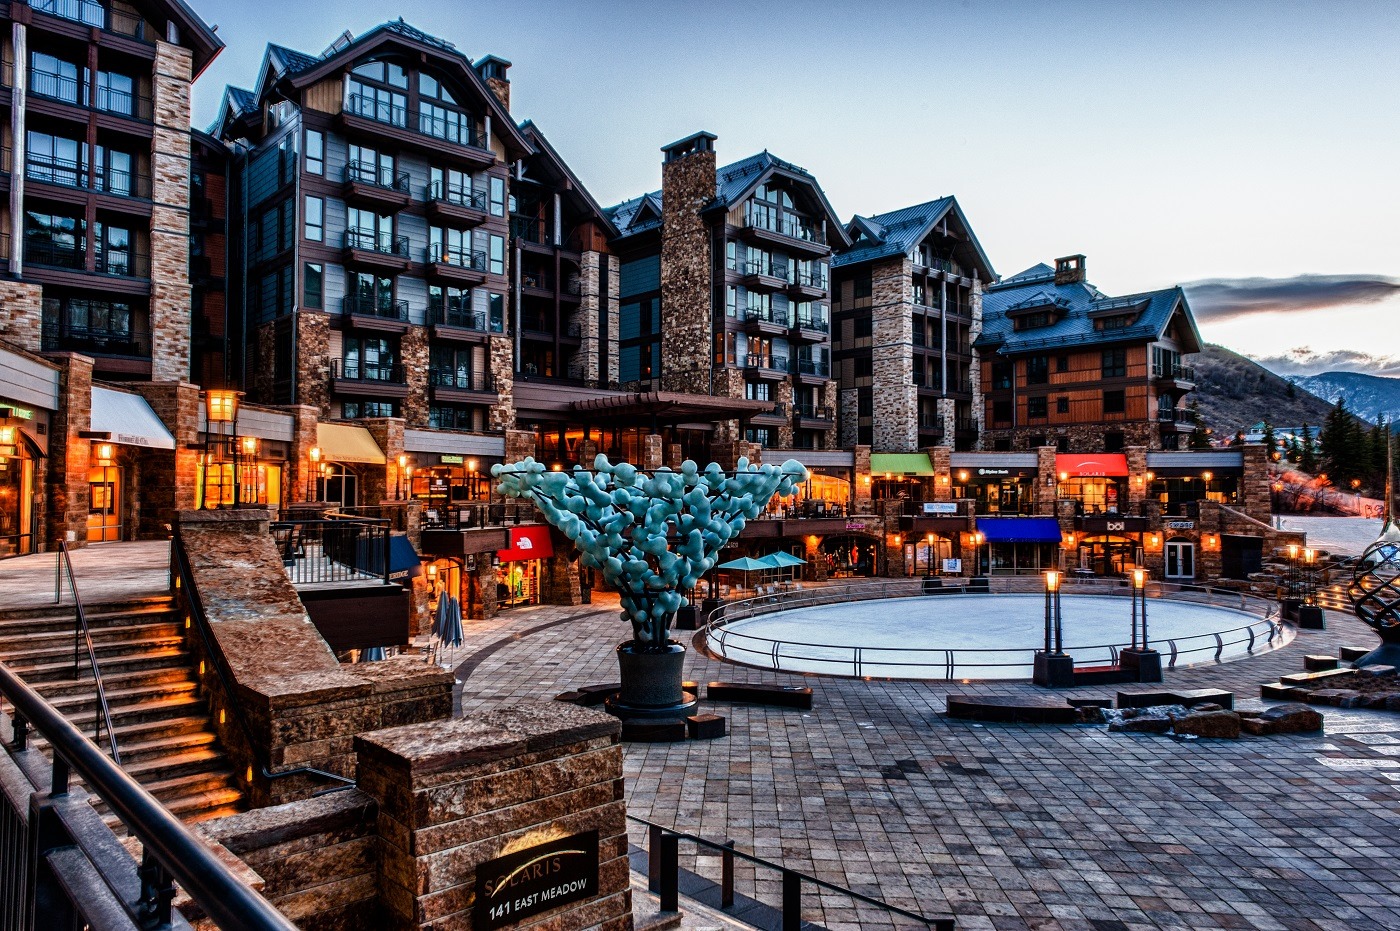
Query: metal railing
{"points": [[380, 176], [1173, 370], [474, 259], [766, 270], [440, 314], [461, 197], [663, 878], [385, 243], [809, 280], [53, 254], [379, 109], [123, 262], [773, 363], [82, 636], [468, 515], [92, 13], [122, 103], [460, 380], [775, 317], [364, 305], [52, 169], [334, 549], [99, 340], [47, 857], [820, 324], [785, 225], [1175, 415], [818, 367], [55, 86], [941, 663], [460, 131], [815, 412], [528, 229], [355, 370]]}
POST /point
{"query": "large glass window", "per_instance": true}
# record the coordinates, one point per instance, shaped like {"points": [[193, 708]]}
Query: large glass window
{"points": [[370, 358], [370, 166], [54, 239], [451, 246], [382, 104], [315, 152], [115, 172], [498, 197], [315, 219], [365, 229], [114, 253], [313, 286], [55, 159], [450, 367], [116, 93], [368, 293], [353, 410], [498, 255], [1037, 370], [52, 77], [1115, 363]]}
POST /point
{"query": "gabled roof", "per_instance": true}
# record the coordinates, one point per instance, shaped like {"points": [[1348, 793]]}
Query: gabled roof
{"points": [[197, 35], [900, 231], [301, 69], [1077, 305], [586, 202], [237, 102], [636, 215]]}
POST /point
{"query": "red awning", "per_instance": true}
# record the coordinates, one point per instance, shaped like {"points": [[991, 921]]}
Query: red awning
{"points": [[527, 543], [1098, 465]]}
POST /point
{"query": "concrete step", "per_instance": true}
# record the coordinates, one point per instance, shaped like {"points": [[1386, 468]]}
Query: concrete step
{"points": [[18, 643], [126, 683], [123, 700], [139, 656], [137, 750], [97, 614], [192, 761], [157, 716]]}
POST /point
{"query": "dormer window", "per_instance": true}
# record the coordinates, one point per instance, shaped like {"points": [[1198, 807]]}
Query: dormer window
{"points": [[433, 89], [1032, 321], [1116, 322], [773, 195]]}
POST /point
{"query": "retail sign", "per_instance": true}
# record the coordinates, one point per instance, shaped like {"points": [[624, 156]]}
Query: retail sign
{"points": [[527, 543], [14, 410], [1181, 525], [940, 507], [445, 459], [993, 471], [952, 566], [512, 888], [131, 439]]}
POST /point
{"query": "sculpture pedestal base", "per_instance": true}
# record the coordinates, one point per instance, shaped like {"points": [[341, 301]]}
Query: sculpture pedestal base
{"points": [[651, 684], [1053, 670], [1387, 654], [1146, 664]]}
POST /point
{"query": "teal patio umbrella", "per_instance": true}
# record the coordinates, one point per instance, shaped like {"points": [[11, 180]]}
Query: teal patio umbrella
{"points": [[745, 564], [782, 560]]}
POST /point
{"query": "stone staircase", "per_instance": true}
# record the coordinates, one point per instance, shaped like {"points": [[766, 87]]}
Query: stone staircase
{"points": [[162, 724]]}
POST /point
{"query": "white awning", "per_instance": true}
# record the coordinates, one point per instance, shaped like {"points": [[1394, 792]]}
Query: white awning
{"points": [[343, 442], [129, 419]]}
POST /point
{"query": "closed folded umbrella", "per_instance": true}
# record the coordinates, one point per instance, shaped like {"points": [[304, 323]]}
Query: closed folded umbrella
{"points": [[372, 655]]}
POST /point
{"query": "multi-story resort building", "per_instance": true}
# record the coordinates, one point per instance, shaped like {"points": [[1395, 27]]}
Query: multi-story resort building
{"points": [[906, 308]]}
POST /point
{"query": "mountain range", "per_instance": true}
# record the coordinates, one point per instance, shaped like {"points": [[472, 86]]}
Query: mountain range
{"points": [[1235, 393], [1370, 397]]}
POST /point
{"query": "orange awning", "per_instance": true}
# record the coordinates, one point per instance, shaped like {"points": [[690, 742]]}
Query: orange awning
{"points": [[1096, 465]]}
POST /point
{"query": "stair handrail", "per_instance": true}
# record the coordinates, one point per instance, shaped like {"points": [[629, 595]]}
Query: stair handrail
{"points": [[184, 578], [83, 635]]}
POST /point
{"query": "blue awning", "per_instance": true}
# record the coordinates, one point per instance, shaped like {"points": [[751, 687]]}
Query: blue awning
{"points": [[1019, 529], [404, 563]]}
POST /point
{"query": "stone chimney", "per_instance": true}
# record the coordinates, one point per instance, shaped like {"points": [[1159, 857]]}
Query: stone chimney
{"points": [[688, 186], [1069, 269], [495, 71]]}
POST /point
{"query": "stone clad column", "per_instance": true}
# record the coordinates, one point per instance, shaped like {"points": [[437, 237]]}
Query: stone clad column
{"points": [[1045, 481], [458, 797], [941, 457], [1137, 477], [896, 404], [170, 215], [651, 452], [861, 489], [70, 455]]}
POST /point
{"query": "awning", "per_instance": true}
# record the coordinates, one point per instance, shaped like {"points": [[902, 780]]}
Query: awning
{"points": [[129, 419], [1019, 529], [343, 442], [900, 464], [1098, 465], [403, 558], [527, 543]]}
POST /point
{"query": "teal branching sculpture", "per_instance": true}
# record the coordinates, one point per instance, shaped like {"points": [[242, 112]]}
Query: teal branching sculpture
{"points": [[652, 536]]}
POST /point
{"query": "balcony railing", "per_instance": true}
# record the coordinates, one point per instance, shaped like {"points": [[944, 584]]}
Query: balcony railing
{"points": [[460, 258], [381, 176], [364, 305], [785, 225], [814, 412], [1174, 371], [965, 424], [544, 323], [54, 170], [39, 251], [460, 132], [931, 423], [377, 109], [775, 317], [99, 340], [123, 262], [459, 317], [820, 324], [54, 86], [810, 280], [384, 243], [461, 197], [1175, 415], [538, 280], [767, 270], [91, 13], [437, 127], [818, 367], [122, 183], [528, 229], [460, 379], [123, 103], [776, 363], [355, 370]]}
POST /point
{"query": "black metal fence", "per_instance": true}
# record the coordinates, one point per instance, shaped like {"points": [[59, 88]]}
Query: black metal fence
{"points": [[344, 549]]}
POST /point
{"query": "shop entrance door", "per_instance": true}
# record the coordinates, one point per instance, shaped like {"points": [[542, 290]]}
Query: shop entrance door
{"points": [[104, 505], [1181, 559]]}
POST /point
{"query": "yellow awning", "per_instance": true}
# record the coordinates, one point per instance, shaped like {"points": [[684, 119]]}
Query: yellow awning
{"points": [[900, 464], [343, 442]]}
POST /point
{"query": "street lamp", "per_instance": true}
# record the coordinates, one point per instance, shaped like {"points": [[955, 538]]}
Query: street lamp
{"points": [[248, 446], [313, 458], [928, 553], [1054, 668], [1052, 613], [398, 477], [1140, 657], [977, 538], [1139, 594], [1278, 518]]}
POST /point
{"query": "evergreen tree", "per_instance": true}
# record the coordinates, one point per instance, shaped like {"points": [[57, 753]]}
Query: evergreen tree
{"points": [[1269, 440], [1294, 453], [1238, 438], [1307, 453], [1199, 438]]}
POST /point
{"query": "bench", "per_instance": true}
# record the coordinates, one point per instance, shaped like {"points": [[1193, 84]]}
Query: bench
{"points": [[785, 696], [1027, 709], [1320, 663], [1187, 697]]}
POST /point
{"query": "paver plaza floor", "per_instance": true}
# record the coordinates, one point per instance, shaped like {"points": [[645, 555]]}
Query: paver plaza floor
{"points": [[1004, 826]]}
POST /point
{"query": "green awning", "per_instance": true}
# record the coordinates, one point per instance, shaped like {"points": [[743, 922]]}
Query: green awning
{"points": [[900, 464]]}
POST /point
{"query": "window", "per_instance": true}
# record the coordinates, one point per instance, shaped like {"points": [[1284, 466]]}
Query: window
{"points": [[1001, 411], [498, 197], [865, 367], [365, 229], [1062, 363], [498, 255], [451, 418], [1037, 370], [1115, 363], [731, 300], [54, 239], [1114, 323], [1002, 375], [1032, 321], [757, 435], [497, 304], [315, 152], [863, 287], [864, 328], [758, 391], [444, 123], [452, 306], [114, 172], [865, 402], [450, 367], [370, 358], [52, 77], [1113, 402], [369, 166], [1062, 405], [376, 103], [116, 93], [352, 410], [369, 294], [312, 286], [315, 219], [1036, 408], [55, 159], [731, 256]]}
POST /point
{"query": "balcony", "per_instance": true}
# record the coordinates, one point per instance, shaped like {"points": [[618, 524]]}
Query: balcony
{"points": [[767, 322], [431, 135], [1174, 375], [458, 323], [930, 425], [810, 329], [368, 379], [765, 367], [529, 229], [761, 276], [67, 89], [123, 263], [542, 327], [377, 185], [461, 206], [807, 286], [815, 417], [787, 231], [100, 341], [52, 254], [1177, 419], [460, 385], [777, 417], [811, 370], [74, 174], [465, 265], [92, 13], [376, 250], [368, 312]]}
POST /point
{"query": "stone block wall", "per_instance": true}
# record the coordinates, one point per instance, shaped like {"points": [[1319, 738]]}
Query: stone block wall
{"points": [[861, 485], [300, 471], [979, 405], [22, 314], [1080, 438], [313, 350], [847, 416], [1256, 496], [170, 215], [1045, 492], [783, 435], [70, 456], [896, 407], [560, 582], [389, 482], [261, 385], [413, 351], [169, 478], [457, 794], [614, 310], [688, 186], [587, 316], [502, 362]]}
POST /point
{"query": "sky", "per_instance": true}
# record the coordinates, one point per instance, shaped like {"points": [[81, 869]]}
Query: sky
{"points": [[1246, 149]]}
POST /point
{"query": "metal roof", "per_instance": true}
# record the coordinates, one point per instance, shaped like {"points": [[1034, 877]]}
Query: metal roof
{"points": [[900, 231]]}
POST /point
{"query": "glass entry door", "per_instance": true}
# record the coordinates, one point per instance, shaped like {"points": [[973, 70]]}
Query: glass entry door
{"points": [[104, 504], [1181, 559]]}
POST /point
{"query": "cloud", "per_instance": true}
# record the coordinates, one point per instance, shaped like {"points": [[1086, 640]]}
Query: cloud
{"points": [[1219, 299], [1304, 361]]}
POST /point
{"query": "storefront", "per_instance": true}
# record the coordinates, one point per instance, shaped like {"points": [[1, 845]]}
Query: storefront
{"points": [[826, 493], [1097, 483], [347, 451], [850, 556], [23, 443], [244, 458], [1000, 489], [125, 431], [1109, 545], [1020, 545], [900, 475], [521, 566], [451, 488]]}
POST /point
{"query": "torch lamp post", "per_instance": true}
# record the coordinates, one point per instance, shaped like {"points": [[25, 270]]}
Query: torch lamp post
{"points": [[1288, 605], [1140, 658], [1310, 616], [313, 459], [398, 476], [1054, 668], [221, 407], [979, 581], [928, 555]]}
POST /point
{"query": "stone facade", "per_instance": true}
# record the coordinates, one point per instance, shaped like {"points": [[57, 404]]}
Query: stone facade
{"points": [[313, 350], [1079, 438], [783, 396], [614, 305], [502, 362], [299, 468], [70, 455], [979, 405], [169, 478], [379, 484], [413, 349], [170, 215], [262, 378], [847, 416], [21, 314], [896, 407], [587, 317], [688, 186]]}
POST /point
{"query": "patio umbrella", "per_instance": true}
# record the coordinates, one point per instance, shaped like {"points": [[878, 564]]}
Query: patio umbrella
{"points": [[782, 560], [372, 655], [452, 627], [745, 564]]}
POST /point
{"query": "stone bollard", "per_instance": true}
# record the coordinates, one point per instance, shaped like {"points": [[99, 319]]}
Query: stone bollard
{"points": [[510, 818]]}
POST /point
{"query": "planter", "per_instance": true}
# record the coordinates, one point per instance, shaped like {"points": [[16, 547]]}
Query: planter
{"points": [[651, 684]]}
